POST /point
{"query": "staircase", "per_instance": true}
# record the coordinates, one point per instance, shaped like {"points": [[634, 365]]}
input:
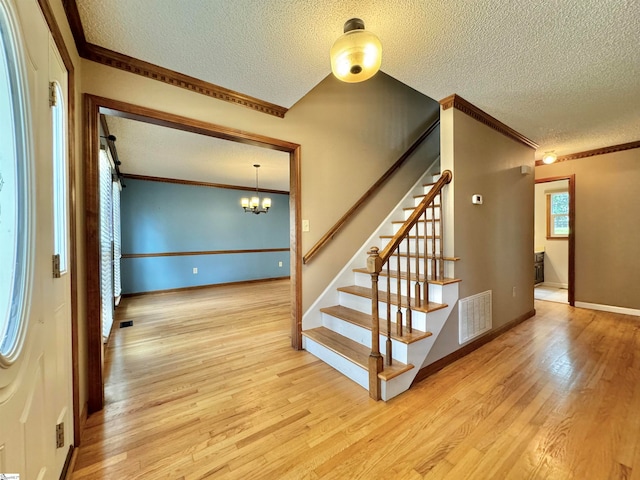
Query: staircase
{"points": [[339, 327]]}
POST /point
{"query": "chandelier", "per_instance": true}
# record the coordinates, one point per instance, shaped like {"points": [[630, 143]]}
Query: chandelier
{"points": [[253, 205]]}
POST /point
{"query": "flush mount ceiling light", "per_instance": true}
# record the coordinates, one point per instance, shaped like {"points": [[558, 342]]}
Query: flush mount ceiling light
{"points": [[549, 157], [253, 205], [356, 56]]}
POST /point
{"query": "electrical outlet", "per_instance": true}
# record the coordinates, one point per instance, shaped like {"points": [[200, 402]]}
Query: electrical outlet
{"points": [[514, 292], [279, 264], [195, 270], [305, 225]]}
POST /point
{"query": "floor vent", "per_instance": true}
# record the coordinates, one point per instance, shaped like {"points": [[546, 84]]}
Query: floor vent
{"points": [[474, 316], [128, 323]]}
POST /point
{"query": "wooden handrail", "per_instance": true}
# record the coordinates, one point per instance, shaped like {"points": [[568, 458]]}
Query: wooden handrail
{"points": [[394, 243], [368, 194]]}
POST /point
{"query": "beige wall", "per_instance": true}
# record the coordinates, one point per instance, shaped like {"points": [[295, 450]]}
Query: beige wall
{"points": [[556, 252], [350, 134], [495, 240], [607, 227]]}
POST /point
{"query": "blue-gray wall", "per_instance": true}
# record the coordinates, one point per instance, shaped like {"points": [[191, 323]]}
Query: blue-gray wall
{"points": [[160, 217]]}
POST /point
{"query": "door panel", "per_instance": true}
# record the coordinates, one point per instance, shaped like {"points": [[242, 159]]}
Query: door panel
{"points": [[36, 389]]}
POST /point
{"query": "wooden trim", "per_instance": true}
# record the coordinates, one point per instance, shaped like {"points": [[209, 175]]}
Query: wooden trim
{"points": [[58, 39], [571, 291], [75, 23], [131, 111], [295, 243], [95, 352], [200, 287], [194, 183], [591, 153], [470, 347], [459, 103], [206, 252], [120, 61], [368, 194], [95, 105]]}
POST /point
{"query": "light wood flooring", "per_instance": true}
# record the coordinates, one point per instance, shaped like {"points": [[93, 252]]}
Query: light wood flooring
{"points": [[205, 385]]}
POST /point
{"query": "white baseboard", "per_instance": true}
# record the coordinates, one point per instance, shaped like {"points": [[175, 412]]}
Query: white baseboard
{"points": [[609, 308], [554, 285]]}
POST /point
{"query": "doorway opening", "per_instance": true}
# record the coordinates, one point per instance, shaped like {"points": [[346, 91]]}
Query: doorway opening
{"points": [[554, 249], [94, 107]]}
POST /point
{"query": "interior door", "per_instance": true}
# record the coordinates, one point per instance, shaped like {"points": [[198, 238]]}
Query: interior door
{"points": [[36, 376]]}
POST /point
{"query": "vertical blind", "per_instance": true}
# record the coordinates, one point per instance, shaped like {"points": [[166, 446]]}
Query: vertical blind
{"points": [[106, 245], [117, 246]]}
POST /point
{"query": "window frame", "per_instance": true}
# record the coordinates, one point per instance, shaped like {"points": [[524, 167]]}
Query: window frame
{"points": [[17, 314], [551, 234], [60, 179]]}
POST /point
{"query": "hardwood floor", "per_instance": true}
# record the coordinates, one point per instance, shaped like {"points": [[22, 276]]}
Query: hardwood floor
{"points": [[201, 388]]}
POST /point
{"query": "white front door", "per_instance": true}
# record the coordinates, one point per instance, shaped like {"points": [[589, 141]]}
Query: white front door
{"points": [[35, 368]]}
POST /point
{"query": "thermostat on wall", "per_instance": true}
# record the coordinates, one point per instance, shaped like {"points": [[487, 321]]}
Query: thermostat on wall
{"points": [[476, 199]]}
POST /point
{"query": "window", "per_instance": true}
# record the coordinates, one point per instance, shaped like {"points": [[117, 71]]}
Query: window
{"points": [[14, 200], [557, 215], [106, 244], [60, 214], [117, 241]]}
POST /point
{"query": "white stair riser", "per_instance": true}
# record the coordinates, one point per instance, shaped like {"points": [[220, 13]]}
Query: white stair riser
{"points": [[361, 304], [435, 213], [363, 336], [364, 280], [419, 227], [344, 366]]}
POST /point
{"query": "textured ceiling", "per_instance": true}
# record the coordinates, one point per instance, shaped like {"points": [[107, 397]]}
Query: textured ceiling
{"points": [[146, 149], [565, 73]]}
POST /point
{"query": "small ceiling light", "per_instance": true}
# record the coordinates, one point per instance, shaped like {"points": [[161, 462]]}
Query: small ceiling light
{"points": [[253, 205], [356, 56], [549, 157]]}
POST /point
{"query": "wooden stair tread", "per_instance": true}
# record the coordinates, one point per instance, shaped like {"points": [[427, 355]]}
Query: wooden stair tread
{"points": [[364, 320], [429, 256], [412, 237], [366, 293], [353, 351], [406, 209], [401, 222], [394, 274]]}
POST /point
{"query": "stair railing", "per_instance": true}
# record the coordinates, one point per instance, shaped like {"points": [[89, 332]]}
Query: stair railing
{"points": [[432, 253]]}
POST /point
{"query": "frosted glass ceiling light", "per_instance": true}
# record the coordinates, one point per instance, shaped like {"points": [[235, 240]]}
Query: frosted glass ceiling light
{"points": [[356, 56], [253, 205], [549, 157]]}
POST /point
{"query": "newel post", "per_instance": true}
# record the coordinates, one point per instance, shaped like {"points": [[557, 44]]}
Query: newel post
{"points": [[374, 265]]}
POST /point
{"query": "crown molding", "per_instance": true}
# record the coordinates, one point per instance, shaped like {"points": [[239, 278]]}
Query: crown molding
{"points": [[459, 103], [194, 183], [596, 151], [98, 54]]}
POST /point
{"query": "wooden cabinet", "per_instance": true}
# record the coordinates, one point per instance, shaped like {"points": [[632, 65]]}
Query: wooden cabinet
{"points": [[538, 267]]}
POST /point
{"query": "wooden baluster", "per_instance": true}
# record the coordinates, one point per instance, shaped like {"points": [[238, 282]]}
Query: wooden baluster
{"points": [[409, 283], [417, 294], [375, 359], [389, 351], [441, 226], [425, 284], [434, 264], [398, 294]]}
